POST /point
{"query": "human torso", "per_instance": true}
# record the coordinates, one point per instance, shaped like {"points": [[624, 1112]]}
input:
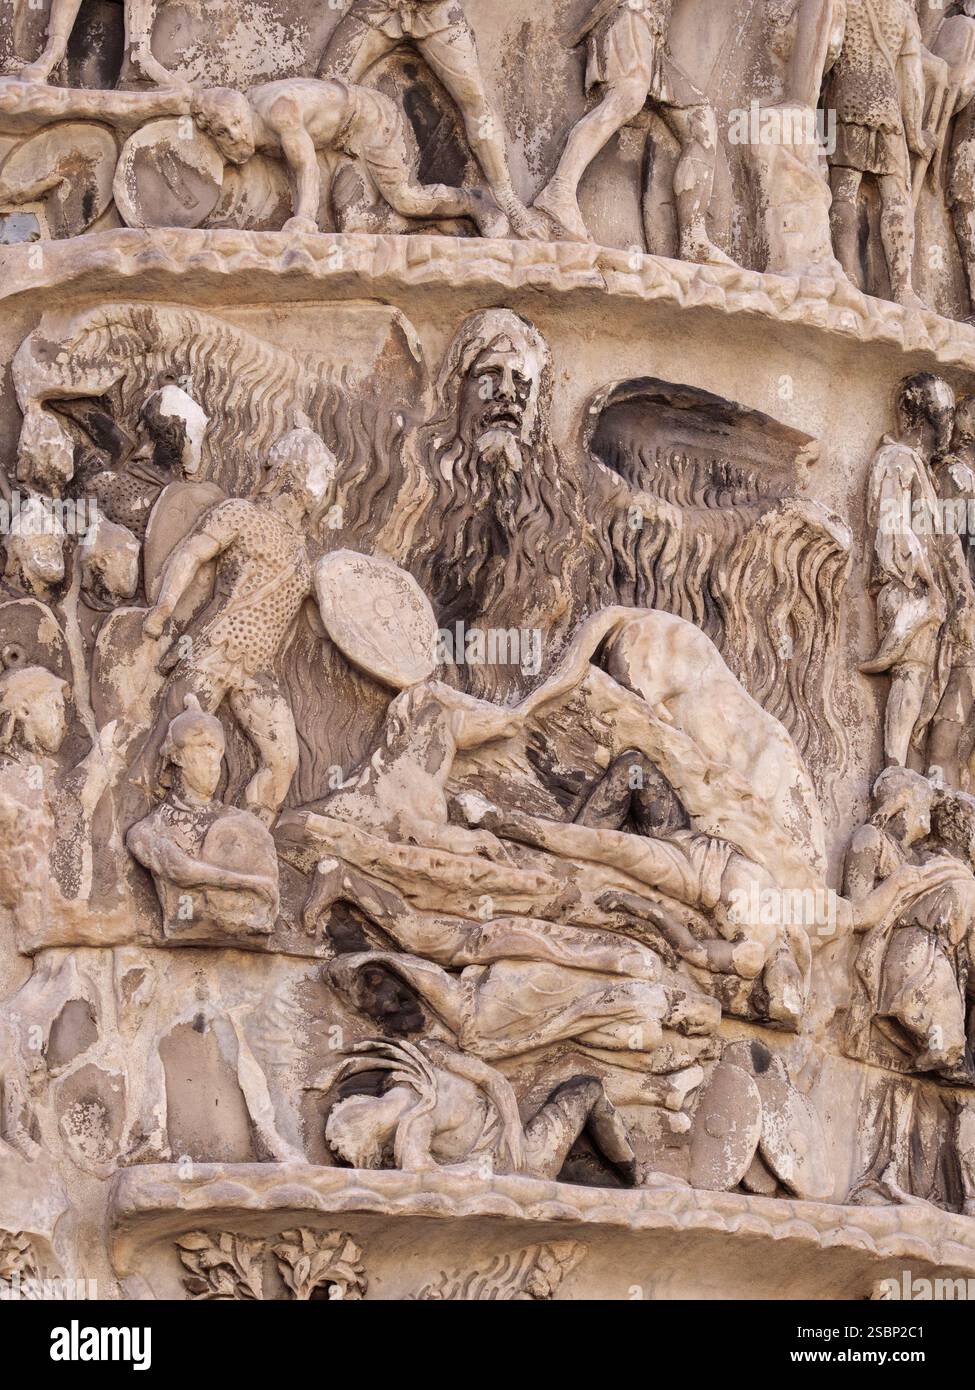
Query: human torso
{"points": [[466, 1121], [865, 87], [656, 14], [127, 496], [947, 912], [263, 577], [185, 826], [626, 26], [370, 124], [220, 836], [900, 472]]}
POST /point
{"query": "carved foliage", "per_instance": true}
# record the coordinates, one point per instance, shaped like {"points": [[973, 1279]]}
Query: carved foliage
{"points": [[224, 1267], [312, 1264], [18, 1260]]}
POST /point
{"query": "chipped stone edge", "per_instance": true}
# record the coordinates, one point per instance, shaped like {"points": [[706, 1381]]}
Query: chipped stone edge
{"points": [[148, 1198], [342, 264]]}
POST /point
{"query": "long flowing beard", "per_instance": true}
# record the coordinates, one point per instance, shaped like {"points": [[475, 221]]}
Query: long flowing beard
{"points": [[493, 567], [510, 552], [501, 461]]}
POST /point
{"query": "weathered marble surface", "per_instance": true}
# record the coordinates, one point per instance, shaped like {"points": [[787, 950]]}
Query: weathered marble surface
{"points": [[485, 718]]}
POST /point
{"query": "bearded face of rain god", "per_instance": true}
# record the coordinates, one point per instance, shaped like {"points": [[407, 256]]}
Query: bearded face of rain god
{"points": [[499, 400]]}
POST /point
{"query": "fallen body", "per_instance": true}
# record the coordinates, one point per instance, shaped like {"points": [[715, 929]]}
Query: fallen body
{"points": [[440, 1108], [297, 119]]}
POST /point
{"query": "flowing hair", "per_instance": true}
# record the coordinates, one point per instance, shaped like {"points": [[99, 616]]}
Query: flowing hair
{"points": [[509, 551], [761, 573], [253, 392]]}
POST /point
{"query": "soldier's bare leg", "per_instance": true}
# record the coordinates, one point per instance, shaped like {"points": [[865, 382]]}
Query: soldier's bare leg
{"points": [[559, 199], [353, 49], [62, 21], [951, 724], [943, 745], [140, 16], [265, 717], [963, 216], [452, 57], [609, 803], [844, 219], [576, 1105], [456, 941], [438, 200], [435, 200], [696, 130], [897, 235], [908, 687]]}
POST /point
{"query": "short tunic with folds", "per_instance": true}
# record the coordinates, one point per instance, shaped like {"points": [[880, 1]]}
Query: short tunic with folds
{"points": [[410, 19], [629, 43]]}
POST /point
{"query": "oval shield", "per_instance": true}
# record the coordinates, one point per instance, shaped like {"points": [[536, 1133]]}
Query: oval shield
{"points": [[378, 617]]}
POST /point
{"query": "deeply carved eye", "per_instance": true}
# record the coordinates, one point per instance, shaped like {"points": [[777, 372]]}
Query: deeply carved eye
{"points": [[12, 656]]}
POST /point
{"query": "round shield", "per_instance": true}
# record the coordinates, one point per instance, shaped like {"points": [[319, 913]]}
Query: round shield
{"points": [[70, 166], [169, 175], [255, 195], [726, 1128], [125, 678], [793, 1141], [31, 636], [239, 842], [378, 617]]}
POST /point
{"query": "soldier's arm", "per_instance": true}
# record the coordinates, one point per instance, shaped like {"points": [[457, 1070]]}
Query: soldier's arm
{"points": [[473, 722], [862, 861], [476, 722], [140, 19], [287, 119], [913, 87], [166, 859], [413, 1145], [810, 49], [203, 544], [574, 666]]}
